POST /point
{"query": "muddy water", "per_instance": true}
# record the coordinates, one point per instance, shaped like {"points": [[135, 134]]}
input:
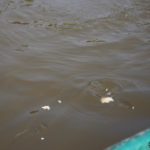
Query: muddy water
{"points": [[75, 52]]}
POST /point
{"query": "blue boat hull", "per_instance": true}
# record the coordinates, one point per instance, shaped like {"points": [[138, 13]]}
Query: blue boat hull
{"points": [[140, 141]]}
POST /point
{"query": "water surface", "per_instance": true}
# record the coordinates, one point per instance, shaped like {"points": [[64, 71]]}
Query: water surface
{"points": [[76, 52]]}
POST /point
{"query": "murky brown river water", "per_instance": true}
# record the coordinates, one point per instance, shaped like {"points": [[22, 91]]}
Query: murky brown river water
{"points": [[77, 52]]}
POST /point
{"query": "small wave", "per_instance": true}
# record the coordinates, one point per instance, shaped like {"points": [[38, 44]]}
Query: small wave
{"points": [[115, 86]]}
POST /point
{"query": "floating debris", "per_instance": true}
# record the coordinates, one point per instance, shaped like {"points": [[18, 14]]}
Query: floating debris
{"points": [[132, 107], [42, 138], [18, 22], [34, 111], [106, 99], [50, 25], [106, 89], [90, 41], [21, 133], [46, 107], [59, 101]]}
